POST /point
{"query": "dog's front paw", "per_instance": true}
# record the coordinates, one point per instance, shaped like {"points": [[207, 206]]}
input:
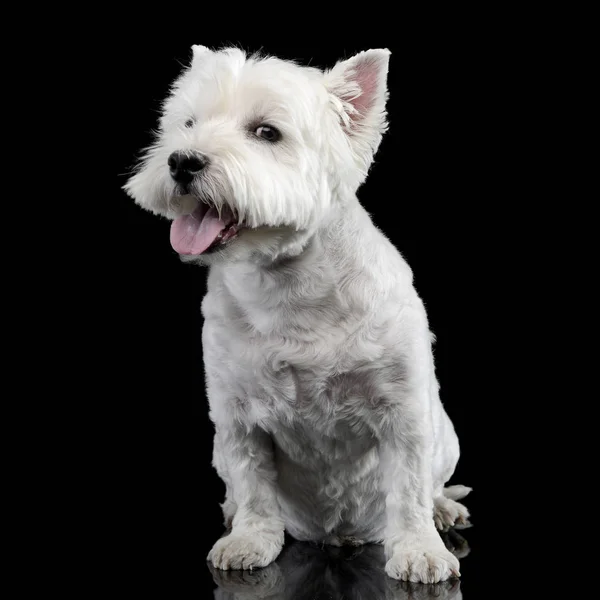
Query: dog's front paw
{"points": [[427, 562], [241, 550]]}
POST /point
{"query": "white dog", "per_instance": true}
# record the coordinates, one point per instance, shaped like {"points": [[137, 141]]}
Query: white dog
{"points": [[318, 355]]}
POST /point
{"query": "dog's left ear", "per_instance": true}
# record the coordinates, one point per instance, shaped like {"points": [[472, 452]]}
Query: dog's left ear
{"points": [[358, 87]]}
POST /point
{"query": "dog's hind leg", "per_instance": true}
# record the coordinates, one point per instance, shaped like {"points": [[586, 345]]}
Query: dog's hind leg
{"points": [[447, 511]]}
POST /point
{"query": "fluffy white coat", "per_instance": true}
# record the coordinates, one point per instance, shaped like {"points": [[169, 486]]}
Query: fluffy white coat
{"points": [[318, 354]]}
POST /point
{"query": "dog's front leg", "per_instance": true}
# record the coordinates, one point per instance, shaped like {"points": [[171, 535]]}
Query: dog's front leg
{"points": [[257, 533], [414, 549]]}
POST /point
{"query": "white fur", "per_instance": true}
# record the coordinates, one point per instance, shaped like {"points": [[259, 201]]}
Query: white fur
{"points": [[318, 355]]}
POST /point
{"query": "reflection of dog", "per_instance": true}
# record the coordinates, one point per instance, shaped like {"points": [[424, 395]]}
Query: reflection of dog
{"points": [[304, 572], [317, 350]]}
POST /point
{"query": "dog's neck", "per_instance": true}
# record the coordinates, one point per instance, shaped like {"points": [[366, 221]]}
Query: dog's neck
{"points": [[294, 282], [325, 281]]}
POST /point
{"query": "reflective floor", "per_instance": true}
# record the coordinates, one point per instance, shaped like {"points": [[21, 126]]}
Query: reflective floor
{"points": [[307, 572]]}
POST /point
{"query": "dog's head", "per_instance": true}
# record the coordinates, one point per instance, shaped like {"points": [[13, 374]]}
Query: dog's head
{"points": [[253, 153]]}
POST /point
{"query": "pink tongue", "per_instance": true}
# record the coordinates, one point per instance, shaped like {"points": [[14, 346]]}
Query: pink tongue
{"points": [[193, 234]]}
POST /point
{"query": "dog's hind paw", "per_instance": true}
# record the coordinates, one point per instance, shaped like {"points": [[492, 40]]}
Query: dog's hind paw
{"points": [[449, 513]]}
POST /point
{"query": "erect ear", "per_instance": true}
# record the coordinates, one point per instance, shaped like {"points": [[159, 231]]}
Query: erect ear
{"points": [[198, 52], [359, 89]]}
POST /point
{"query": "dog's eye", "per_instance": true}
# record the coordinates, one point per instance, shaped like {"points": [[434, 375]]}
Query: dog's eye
{"points": [[189, 123], [266, 132]]}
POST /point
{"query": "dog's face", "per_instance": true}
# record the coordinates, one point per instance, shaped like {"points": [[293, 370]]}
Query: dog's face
{"points": [[252, 154]]}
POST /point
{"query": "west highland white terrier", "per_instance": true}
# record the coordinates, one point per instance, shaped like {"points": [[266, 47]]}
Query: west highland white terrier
{"points": [[317, 350]]}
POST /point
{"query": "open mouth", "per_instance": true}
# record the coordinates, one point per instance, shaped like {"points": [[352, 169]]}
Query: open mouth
{"points": [[204, 230]]}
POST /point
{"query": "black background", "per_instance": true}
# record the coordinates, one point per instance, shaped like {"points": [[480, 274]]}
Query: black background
{"points": [[434, 190]]}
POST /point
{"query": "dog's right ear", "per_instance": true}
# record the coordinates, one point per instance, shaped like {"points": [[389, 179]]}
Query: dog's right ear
{"points": [[199, 52]]}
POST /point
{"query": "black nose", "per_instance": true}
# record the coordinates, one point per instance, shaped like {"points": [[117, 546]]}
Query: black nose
{"points": [[184, 166]]}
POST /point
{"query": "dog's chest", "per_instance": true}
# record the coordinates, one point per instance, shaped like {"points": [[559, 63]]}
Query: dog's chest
{"points": [[313, 414], [315, 366], [316, 392]]}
